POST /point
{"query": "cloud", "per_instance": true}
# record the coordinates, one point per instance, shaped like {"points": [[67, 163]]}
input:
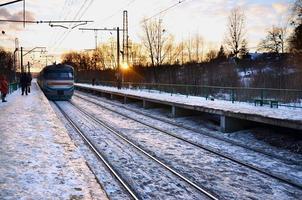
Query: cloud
{"points": [[280, 8], [4, 13], [13, 26]]}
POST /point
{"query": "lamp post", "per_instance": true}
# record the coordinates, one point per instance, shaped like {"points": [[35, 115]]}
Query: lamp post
{"points": [[15, 58]]}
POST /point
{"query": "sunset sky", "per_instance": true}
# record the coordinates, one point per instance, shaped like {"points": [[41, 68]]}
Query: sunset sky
{"points": [[206, 17]]}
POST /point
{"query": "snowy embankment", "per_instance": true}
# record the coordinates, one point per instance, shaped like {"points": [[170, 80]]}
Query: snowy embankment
{"points": [[38, 160], [282, 113]]}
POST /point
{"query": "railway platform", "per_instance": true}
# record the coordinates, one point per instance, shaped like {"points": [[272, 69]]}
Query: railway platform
{"points": [[38, 160], [232, 116]]}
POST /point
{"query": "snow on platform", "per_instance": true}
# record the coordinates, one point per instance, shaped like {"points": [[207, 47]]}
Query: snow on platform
{"points": [[241, 109], [38, 160]]}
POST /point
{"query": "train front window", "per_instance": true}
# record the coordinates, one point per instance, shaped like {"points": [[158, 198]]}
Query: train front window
{"points": [[59, 76]]}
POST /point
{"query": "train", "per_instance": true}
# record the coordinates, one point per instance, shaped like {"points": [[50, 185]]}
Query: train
{"points": [[57, 81]]}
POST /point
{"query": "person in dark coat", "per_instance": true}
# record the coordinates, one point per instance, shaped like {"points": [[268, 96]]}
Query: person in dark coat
{"points": [[29, 79], [3, 87], [24, 83]]}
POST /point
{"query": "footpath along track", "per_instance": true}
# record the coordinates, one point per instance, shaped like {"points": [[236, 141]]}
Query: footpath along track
{"points": [[130, 189], [221, 154], [232, 142]]}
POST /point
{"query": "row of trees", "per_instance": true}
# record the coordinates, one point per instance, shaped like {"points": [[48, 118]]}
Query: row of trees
{"points": [[158, 47], [277, 39]]}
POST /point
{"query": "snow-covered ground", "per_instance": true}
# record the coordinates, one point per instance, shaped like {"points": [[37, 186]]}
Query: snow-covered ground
{"points": [[112, 187], [226, 178], [148, 178], [261, 161], [38, 160], [282, 113]]}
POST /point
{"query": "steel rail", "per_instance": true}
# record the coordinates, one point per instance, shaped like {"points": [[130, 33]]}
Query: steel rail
{"points": [[99, 155], [287, 160], [282, 179], [112, 130]]}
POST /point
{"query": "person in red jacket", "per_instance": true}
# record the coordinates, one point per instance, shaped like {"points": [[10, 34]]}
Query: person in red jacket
{"points": [[3, 87]]}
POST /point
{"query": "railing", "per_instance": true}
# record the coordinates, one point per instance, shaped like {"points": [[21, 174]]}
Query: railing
{"points": [[284, 97], [13, 87]]}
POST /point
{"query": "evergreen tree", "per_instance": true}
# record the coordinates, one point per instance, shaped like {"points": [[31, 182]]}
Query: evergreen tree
{"points": [[221, 53], [243, 51]]}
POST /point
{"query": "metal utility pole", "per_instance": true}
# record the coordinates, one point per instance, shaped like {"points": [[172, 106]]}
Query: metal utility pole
{"points": [[118, 38], [101, 29], [96, 39], [28, 65], [16, 58], [118, 49], [32, 50], [117, 42], [125, 37], [24, 17], [46, 59], [22, 70]]}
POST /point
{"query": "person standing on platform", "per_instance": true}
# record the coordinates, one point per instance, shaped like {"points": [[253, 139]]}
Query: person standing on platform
{"points": [[23, 83], [29, 79], [3, 87]]}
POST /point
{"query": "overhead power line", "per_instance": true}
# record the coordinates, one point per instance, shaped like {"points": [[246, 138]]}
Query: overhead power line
{"points": [[117, 11], [61, 38], [64, 14], [100, 29], [45, 21], [8, 3], [165, 10]]}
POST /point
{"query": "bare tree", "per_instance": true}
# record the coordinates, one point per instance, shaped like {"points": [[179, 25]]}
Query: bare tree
{"points": [[198, 46], [211, 55], [175, 51], [194, 46], [98, 59], [189, 47], [137, 54], [155, 39], [235, 31], [274, 40]]}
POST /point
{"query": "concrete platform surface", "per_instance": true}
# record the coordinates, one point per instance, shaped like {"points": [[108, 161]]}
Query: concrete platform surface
{"points": [[282, 116], [38, 160]]}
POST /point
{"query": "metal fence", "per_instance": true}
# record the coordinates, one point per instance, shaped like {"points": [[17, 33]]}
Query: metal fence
{"points": [[283, 97]]}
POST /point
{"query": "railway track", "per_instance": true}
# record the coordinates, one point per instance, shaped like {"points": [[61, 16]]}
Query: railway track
{"points": [[282, 158], [275, 176], [127, 186], [99, 155]]}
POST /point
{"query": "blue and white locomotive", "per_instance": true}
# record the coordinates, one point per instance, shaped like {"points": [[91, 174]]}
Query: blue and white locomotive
{"points": [[57, 81]]}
